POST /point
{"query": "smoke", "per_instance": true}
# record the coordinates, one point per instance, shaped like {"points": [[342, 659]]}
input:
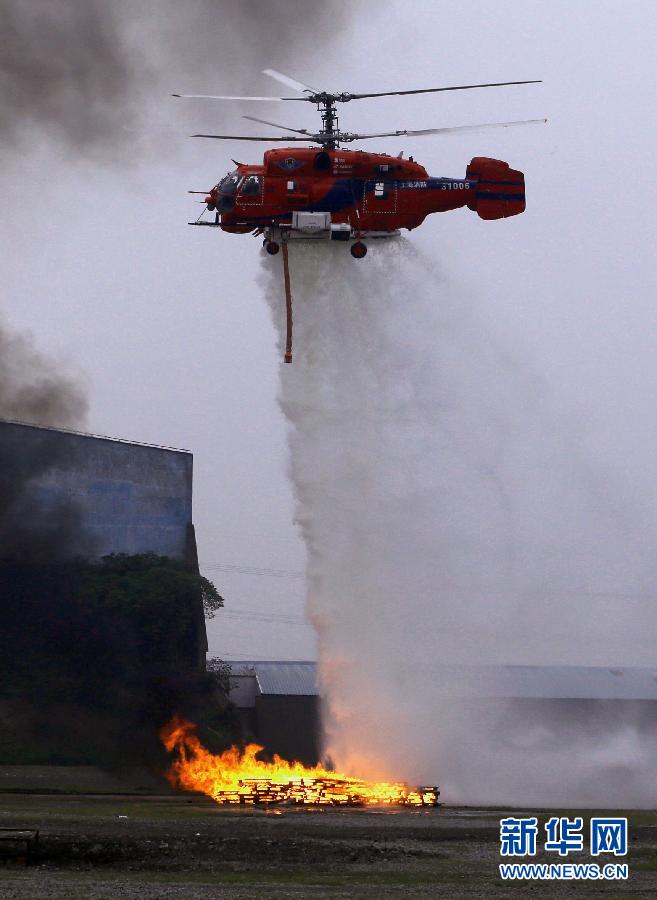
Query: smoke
{"points": [[84, 72], [453, 515], [65, 69], [33, 390]]}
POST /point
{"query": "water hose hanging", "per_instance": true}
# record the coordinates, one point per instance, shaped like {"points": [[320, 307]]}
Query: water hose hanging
{"points": [[288, 305]]}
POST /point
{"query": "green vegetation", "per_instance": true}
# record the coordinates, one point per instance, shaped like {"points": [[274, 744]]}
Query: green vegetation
{"points": [[100, 655]]}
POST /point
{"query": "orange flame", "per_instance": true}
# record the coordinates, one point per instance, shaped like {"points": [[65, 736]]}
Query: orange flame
{"points": [[236, 776]]}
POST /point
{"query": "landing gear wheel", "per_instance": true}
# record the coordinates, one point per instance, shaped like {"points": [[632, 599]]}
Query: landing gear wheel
{"points": [[272, 247], [358, 250]]}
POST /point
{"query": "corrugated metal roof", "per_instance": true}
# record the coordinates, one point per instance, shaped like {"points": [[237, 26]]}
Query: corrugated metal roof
{"points": [[286, 677], [539, 682]]}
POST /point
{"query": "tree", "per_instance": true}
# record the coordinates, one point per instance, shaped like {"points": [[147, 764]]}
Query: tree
{"points": [[98, 656]]}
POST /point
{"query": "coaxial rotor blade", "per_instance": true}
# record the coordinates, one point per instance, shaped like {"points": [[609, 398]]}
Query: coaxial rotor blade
{"points": [[346, 96], [459, 87], [480, 127], [454, 130], [275, 125], [248, 137], [223, 97], [289, 82]]}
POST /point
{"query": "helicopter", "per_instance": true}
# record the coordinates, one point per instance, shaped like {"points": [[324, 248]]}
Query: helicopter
{"points": [[322, 191]]}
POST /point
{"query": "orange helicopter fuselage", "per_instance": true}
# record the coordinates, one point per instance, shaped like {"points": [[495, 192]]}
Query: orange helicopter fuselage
{"points": [[369, 192]]}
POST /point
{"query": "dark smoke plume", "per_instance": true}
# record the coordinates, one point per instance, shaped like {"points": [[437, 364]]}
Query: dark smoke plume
{"points": [[64, 69], [37, 524], [31, 390], [83, 71]]}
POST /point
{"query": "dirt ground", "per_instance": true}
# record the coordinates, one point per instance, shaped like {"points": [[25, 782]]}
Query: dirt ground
{"points": [[96, 842]]}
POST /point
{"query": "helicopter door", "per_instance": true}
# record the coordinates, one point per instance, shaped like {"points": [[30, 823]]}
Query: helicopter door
{"points": [[380, 197]]}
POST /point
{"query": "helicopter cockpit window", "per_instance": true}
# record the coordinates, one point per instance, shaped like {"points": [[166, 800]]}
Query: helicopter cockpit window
{"points": [[229, 184], [252, 186]]}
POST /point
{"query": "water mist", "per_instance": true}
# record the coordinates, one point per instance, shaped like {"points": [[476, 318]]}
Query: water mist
{"points": [[451, 517]]}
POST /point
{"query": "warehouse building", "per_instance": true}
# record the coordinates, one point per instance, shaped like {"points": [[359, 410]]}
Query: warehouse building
{"points": [[110, 496], [278, 703]]}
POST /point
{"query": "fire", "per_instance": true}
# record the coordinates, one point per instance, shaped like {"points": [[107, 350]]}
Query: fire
{"points": [[236, 776]]}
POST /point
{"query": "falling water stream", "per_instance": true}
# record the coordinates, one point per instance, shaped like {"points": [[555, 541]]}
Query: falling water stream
{"points": [[451, 518]]}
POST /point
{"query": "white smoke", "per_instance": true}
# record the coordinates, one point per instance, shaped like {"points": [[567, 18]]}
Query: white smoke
{"points": [[451, 516]]}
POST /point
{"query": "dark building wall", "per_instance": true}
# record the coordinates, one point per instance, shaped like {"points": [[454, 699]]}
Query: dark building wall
{"points": [[289, 725], [249, 724], [130, 498], [102, 495]]}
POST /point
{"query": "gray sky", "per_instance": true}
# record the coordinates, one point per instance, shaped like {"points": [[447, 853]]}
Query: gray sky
{"points": [[169, 331]]}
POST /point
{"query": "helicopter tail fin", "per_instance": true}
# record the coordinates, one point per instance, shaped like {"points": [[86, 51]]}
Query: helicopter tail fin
{"points": [[499, 190]]}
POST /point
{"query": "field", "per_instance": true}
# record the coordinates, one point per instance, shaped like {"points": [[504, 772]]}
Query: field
{"points": [[108, 837]]}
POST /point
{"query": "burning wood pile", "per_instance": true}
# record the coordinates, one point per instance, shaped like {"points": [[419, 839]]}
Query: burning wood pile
{"points": [[238, 777], [324, 792]]}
